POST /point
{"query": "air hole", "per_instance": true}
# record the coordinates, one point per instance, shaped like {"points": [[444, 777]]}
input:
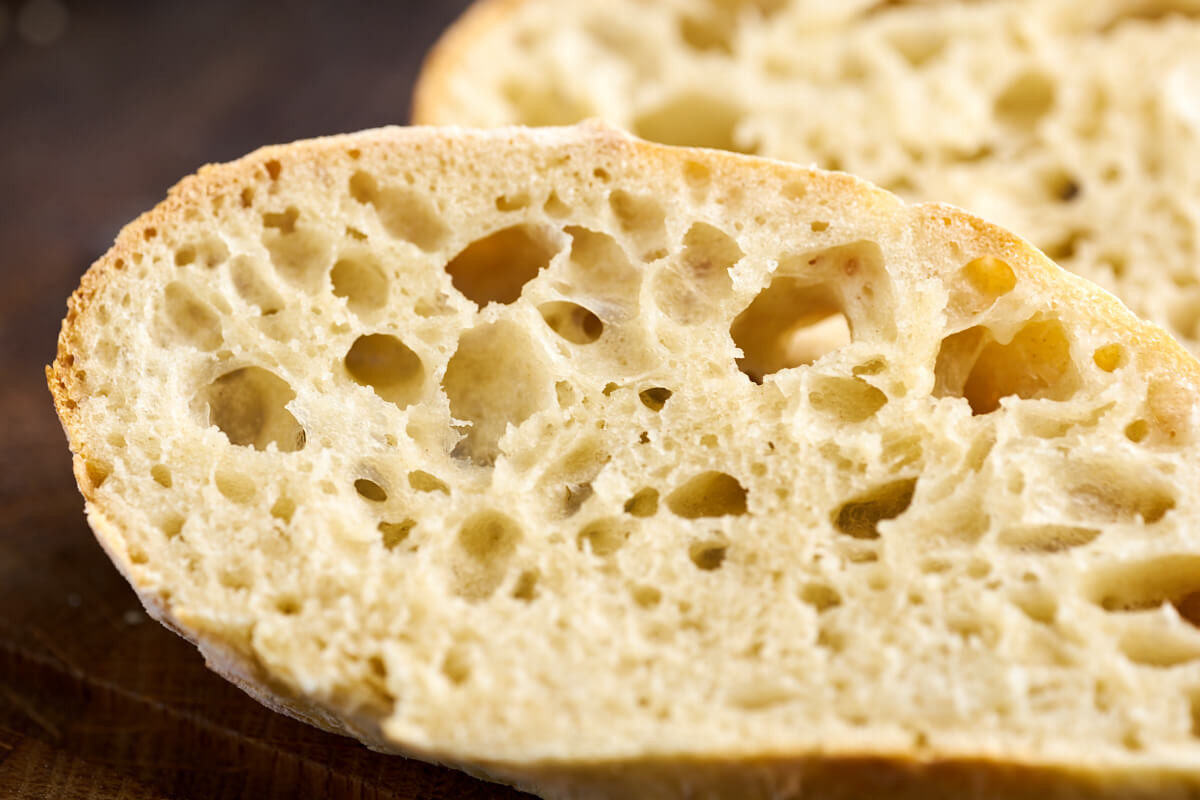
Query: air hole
{"points": [[184, 256], [97, 473], [655, 397], [860, 516], [713, 32], [1025, 100], [424, 482], [1035, 364], [1137, 430], [1060, 185], [1037, 603], [788, 325], [603, 537], [513, 202], [236, 486], [284, 221], [287, 605], [819, 227], [525, 589], [847, 399], [360, 280], [388, 366], [1046, 538], [1111, 493], [709, 494], [484, 546], [641, 217], [252, 286], [300, 255], [149, 233], [273, 169], [370, 490], [644, 503], [708, 555], [538, 104], [403, 212], [600, 265], [247, 197], [497, 267], [1109, 357], [192, 321], [646, 596], [820, 596], [161, 475], [1146, 584], [249, 404], [394, 533], [702, 279], [694, 119], [456, 666], [494, 379], [572, 321], [980, 283], [283, 508], [917, 46], [1064, 249]]}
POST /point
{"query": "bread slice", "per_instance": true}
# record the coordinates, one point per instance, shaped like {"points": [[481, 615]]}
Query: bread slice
{"points": [[612, 469], [1075, 123]]}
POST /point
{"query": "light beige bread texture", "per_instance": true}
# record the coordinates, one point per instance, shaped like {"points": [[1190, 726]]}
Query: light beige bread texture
{"points": [[613, 469], [1075, 123]]}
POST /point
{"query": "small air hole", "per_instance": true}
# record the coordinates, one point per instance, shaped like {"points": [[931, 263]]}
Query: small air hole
{"points": [[287, 605], [185, 255], [1137, 430], [819, 227], [247, 197], [161, 475], [646, 596], [396, 532], [526, 587], [860, 516], [602, 537], [655, 397], [149, 233], [820, 596], [643, 504], [709, 494], [709, 555], [370, 490], [424, 482], [572, 321], [1109, 357], [283, 508], [284, 222], [273, 169]]}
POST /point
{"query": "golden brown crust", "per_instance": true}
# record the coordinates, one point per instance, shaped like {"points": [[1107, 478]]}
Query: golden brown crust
{"points": [[479, 18], [838, 775]]}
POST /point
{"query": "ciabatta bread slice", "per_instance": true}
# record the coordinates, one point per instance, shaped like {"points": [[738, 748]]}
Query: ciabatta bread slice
{"points": [[612, 469], [1075, 123]]}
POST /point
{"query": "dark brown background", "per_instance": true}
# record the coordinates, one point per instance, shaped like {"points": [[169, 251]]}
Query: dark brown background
{"points": [[102, 107]]}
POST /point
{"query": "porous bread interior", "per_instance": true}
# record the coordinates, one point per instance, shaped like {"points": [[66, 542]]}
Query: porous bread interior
{"points": [[1074, 123], [451, 431]]}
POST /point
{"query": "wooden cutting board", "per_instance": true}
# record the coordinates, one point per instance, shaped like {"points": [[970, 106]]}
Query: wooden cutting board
{"points": [[101, 109]]}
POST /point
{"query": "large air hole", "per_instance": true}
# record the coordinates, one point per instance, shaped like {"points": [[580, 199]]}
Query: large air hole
{"points": [[190, 319], [979, 284], [1035, 364], [845, 399], [302, 255], [249, 404], [1046, 538], [388, 366], [641, 217], [572, 321], [709, 494], [788, 325], [1025, 100], [1113, 492], [694, 119], [403, 212], [860, 516], [483, 550], [540, 104], [603, 537], [497, 377], [497, 267], [599, 268], [689, 290], [253, 286], [1137, 585], [359, 278]]}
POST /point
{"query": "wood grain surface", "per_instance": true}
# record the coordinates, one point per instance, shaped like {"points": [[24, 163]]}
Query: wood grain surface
{"points": [[102, 107]]}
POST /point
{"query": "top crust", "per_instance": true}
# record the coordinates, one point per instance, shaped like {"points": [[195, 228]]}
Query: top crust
{"points": [[386, 549]]}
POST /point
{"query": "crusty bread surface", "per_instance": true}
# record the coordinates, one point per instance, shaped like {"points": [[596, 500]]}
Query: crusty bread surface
{"points": [[612, 469], [1074, 123]]}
